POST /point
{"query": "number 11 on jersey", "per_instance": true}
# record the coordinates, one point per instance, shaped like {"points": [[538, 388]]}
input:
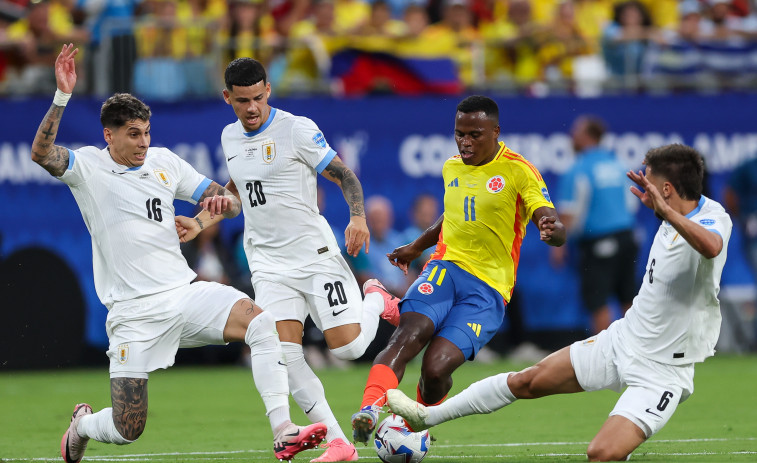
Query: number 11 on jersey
{"points": [[470, 212]]}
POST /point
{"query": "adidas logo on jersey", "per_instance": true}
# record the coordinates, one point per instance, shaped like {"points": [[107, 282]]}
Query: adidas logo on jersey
{"points": [[453, 183]]}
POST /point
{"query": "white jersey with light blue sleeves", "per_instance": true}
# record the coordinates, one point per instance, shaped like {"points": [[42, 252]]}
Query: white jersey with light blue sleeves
{"points": [[275, 170], [129, 213], [675, 318]]}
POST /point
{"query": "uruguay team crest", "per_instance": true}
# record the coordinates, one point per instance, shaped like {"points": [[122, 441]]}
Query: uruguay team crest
{"points": [[426, 288], [123, 353], [495, 184], [162, 177], [269, 152]]}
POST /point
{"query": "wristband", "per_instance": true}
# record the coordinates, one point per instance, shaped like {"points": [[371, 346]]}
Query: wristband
{"points": [[61, 98]]}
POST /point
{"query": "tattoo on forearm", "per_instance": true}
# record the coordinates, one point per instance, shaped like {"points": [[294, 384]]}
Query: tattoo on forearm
{"points": [[51, 157], [199, 222], [212, 190], [351, 187], [129, 399]]}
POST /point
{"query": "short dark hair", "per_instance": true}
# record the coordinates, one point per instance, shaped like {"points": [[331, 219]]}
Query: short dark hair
{"points": [[477, 103], [595, 127], [680, 165], [122, 108], [244, 72]]}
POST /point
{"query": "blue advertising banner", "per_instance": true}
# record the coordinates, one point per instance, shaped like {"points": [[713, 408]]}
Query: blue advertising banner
{"points": [[397, 147]]}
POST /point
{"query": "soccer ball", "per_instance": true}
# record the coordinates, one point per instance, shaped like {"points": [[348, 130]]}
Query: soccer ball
{"points": [[395, 443]]}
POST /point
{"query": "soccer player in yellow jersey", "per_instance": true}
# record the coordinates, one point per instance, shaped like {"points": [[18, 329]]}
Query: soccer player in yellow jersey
{"points": [[458, 302]]}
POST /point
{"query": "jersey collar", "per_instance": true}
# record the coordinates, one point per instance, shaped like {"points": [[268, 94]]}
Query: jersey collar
{"points": [[271, 115], [696, 209]]}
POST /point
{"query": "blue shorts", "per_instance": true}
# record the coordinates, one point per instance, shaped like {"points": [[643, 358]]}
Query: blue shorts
{"points": [[464, 309]]}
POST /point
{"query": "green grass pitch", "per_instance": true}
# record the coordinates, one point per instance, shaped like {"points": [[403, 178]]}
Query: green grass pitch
{"points": [[203, 414]]}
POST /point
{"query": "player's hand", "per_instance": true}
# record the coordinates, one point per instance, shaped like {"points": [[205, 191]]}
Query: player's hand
{"points": [[187, 228], [65, 69], [217, 205], [402, 256], [356, 234], [547, 227], [651, 196]]}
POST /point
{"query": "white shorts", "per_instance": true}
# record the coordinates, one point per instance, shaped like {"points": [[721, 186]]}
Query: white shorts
{"points": [[325, 290], [653, 390], [146, 332]]}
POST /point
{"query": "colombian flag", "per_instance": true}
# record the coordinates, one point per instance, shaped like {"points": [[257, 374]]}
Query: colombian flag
{"points": [[362, 72]]}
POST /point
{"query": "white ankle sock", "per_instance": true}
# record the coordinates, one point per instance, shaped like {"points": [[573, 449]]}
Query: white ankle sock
{"points": [[101, 428], [269, 369], [481, 397], [308, 392]]}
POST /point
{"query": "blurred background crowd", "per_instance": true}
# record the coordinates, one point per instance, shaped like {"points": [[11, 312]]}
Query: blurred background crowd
{"points": [[175, 49]]}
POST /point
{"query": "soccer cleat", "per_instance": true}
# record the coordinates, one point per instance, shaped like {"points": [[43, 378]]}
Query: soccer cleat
{"points": [[72, 446], [337, 450], [415, 414], [391, 311], [363, 423], [291, 439]]}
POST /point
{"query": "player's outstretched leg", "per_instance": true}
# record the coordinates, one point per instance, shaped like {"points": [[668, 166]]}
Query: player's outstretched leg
{"points": [[415, 414], [72, 446], [391, 302], [290, 439], [364, 422], [337, 450]]}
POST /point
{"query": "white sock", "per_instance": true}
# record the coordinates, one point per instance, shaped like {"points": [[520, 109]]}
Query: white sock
{"points": [[101, 428], [308, 392], [269, 369], [373, 307], [481, 397]]}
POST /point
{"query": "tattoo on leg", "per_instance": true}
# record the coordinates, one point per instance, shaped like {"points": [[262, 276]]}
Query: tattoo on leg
{"points": [[129, 399]]}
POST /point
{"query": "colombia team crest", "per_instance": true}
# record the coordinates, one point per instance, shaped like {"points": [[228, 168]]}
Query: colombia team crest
{"points": [[495, 184], [426, 288]]}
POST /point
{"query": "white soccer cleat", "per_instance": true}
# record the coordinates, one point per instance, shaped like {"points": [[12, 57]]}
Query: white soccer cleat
{"points": [[337, 450], [72, 446], [363, 424], [415, 414]]}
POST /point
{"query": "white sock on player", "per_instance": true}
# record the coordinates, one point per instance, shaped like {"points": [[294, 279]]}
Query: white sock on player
{"points": [[269, 369], [481, 397], [308, 392], [100, 427]]}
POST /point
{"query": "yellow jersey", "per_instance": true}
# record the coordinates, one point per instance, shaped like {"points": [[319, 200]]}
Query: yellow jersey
{"points": [[486, 210]]}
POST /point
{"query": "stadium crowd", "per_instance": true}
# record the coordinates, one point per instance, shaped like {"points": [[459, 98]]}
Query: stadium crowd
{"points": [[170, 49]]}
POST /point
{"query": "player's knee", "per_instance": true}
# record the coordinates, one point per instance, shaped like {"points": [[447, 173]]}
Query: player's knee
{"points": [[351, 351], [605, 451], [434, 373], [261, 327]]}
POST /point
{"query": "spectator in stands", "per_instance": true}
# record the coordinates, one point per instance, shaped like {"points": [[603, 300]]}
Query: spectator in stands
{"points": [[691, 18], [380, 22], [111, 22], [456, 32], [379, 214], [741, 202], [313, 40], [425, 212], [596, 207], [564, 42], [624, 41], [33, 43], [252, 31], [350, 14], [286, 13]]}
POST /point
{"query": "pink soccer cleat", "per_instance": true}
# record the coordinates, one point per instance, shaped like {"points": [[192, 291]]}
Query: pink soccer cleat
{"points": [[291, 439], [72, 446], [337, 450], [391, 302]]}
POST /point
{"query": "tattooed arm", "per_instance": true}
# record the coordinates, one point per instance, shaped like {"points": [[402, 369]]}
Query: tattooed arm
{"points": [[357, 232], [217, 204], [45, 152]]}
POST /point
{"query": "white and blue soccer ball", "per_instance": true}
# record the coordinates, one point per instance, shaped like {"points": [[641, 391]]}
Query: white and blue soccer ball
{"points": [[395, 443]]}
